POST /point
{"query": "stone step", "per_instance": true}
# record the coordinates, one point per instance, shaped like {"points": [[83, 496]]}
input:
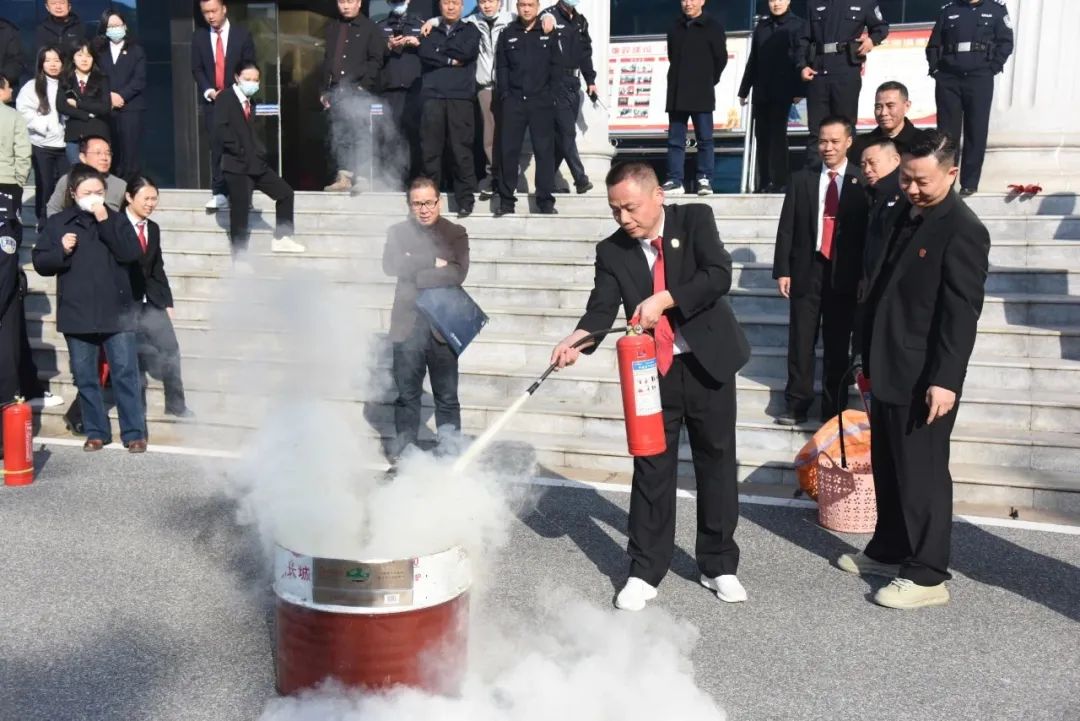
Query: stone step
{"points": [[596, 201]]}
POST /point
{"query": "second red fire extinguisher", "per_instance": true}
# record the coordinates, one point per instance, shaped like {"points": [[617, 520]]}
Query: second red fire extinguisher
{"points": [[18, 444], [641, 393]]}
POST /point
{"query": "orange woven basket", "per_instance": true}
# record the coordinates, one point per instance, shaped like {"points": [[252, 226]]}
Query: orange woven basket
{"points": [[845, 496]]}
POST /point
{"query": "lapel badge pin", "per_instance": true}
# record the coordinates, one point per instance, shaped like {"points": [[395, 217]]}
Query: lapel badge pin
{"points": [[854, 181], [922, 252], [674, 242]]}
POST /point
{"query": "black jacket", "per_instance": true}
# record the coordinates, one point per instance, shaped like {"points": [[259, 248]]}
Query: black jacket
{"points": [[839, 21], [354, 60], [886, 202], [698, 275], [147, 275], [904, 138], [401, 69], [90, 116], [526, 61], [442, 79], [796, 235], [240, 49], [234, 136], [986, 24], [11, 53], [93, 287], [127, 76], [922, 316], [697, 50], [10, 266], [66, 35], [770, 67], [575, 45]]}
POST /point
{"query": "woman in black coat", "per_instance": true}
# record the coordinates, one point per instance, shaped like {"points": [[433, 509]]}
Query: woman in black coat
{"points": [[770, 72], [123, 60], [84, 99]]}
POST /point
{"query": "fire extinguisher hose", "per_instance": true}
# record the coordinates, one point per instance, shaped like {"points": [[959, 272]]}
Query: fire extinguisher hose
{"points": [[581, 344]]}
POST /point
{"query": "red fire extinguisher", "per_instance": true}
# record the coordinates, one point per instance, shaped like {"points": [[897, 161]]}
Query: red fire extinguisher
{"points": [[641, 393], [18, 444]]}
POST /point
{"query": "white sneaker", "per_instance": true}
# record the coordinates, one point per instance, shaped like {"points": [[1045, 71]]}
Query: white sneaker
{"points": [[286, 244], [704, 187], [673, 188], [218, 202], [727, 587], [634, 595], [46, 401]]}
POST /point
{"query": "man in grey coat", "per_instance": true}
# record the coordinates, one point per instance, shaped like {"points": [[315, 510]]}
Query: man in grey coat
{"points": [[95, 152]]}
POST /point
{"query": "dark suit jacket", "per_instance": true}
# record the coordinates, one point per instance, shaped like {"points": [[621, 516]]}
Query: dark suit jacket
{"points": [[127, 75], [796, 235], [234, 136], [887, 202], [361, 55], [240, 49], [698, 275], [921, 319], [409, 255], [65, 35], [148, 274], [907, 135], [91, 115]]}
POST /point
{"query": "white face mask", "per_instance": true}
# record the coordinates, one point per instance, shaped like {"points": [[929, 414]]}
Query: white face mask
{"points": [[399, 8], [89, 203], [248, 88]]}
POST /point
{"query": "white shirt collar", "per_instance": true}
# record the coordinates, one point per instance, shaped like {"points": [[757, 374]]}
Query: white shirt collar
{"points": [[244, 100], [134, 219], [224, 30], [646, 243], [840, 172]]}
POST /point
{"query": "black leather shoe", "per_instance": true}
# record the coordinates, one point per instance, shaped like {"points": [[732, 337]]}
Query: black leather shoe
{"points": [[501, 211], [548, 211], [465, 211], [584, 188], [965, 192], [791, 418]]}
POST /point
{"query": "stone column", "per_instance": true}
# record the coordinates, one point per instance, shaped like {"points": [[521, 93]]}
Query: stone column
{"points": [[1034, 131]]}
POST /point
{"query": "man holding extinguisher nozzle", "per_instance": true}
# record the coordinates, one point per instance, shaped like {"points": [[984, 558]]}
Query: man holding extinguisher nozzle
{"points": [[668, 269]]}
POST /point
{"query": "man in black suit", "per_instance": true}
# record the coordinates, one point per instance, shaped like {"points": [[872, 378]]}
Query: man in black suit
{"points": [[881, 169], [891, 106], [817, 265], [216, 55], [668, 269], [922, 316], [243, 162]]}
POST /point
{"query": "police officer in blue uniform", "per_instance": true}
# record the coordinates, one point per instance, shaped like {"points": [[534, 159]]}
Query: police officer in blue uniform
{"points": [[830, 55], [12, 291], [575, 64], [526, 62], [969, 45]]}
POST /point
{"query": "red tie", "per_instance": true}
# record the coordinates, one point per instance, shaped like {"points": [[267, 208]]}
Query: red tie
{"points": [[219, 64], [142, 235], [828, 221], [82, 87], [665, 336], [247, 110]]}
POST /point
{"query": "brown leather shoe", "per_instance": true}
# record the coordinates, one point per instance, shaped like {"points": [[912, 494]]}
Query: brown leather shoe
{"points": [[93, 445], [136, 446]]}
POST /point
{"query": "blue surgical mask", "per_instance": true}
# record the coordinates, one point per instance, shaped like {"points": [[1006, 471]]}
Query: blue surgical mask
{"points": [[116, 34], [570, 3], [399, 8], [248, 88]]}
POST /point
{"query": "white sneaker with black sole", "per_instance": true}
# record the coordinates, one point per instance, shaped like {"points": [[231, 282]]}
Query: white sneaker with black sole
{"points": [[634, 595], [727, 587], [673, 188]]}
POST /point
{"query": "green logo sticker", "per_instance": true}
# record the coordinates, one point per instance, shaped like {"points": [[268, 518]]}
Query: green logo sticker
{"points": [[357, 574]]}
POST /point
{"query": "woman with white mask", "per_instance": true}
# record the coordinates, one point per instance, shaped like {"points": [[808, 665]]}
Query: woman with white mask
{"points": [[123, 60]]}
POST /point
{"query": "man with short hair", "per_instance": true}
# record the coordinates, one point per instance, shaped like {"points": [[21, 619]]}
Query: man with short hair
{"points": [[936, 260], [351, 67], [525, 62], [61, 28], [216, 54], [817, 266], [668, 270], [425, 251], [447, 121], [574, 64], [891, 106], [96, 152], [697, 48], [881, 168]]}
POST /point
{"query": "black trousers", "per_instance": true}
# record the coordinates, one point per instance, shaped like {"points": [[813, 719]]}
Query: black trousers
{"points": [[49, 164], [914, 490], [351, 129], [240, 188], [127, 132], [397, 138], [832, 94], [771, 133], [450, 123], [418, 354], [963, 104], [567, 108], [688, 395], [537, 115], [218, 186], [834, 313], [159, 355]]}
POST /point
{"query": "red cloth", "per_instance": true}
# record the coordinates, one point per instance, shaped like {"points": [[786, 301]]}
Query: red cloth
{"points": [[219, 64], [82, 87], [664, 333], [828, 221], [247, 110], [142, 235]]}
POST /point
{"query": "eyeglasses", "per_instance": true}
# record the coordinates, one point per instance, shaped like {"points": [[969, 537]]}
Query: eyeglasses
{"points": [[424, 204]]}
